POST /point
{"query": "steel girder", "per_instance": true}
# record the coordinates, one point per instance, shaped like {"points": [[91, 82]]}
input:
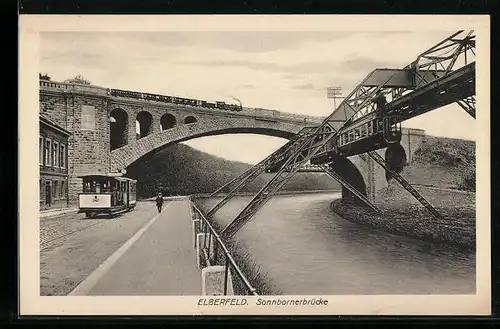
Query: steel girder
{"points": [[375, 156], [437, 62], [248, 176]]}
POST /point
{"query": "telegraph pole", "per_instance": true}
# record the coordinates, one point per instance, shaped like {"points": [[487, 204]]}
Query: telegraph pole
{"points": [[334, 92]]}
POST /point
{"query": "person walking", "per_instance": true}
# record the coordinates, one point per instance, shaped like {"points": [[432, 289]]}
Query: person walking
{"points": [[159, 202]]}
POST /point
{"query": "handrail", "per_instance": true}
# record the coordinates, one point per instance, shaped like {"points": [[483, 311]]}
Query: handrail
{"points": [[228, 259]]}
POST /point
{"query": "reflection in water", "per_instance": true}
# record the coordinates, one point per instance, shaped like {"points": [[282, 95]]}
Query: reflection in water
{"points": [[308, 249]]}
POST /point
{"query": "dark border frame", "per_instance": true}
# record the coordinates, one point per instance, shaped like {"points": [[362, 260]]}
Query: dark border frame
{"points": [[9, 313]]}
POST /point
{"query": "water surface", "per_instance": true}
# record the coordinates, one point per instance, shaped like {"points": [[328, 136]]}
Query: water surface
{"points": [[305, 248]]}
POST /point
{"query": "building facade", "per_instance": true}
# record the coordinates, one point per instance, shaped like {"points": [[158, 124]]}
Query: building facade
{"points": [[53, 161]]}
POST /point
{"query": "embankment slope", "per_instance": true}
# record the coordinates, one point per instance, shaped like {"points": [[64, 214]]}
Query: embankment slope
{"points": [[443, 171]]}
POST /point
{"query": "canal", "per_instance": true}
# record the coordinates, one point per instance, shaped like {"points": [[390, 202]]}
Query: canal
{"points": [[305, 248]]}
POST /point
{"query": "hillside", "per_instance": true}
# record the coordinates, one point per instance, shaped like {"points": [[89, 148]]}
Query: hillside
{"points": [[182, 170], [444, 162], [443, 172]]}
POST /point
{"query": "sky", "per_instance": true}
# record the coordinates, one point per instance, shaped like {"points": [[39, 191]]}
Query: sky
{"points": [[286, 71]]}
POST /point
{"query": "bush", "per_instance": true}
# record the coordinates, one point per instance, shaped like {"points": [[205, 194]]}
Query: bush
{"points": [[44, 76], [79, 79], [469, 182]]}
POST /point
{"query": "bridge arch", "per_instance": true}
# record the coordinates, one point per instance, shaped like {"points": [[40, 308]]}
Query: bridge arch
{"points": [[118, 128], [145, 123], [167, 121], [126, 155], [190, 119], [348, 170]]}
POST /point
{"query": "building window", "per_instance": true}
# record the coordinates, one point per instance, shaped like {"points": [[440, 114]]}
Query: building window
{"points": [[40, 150], [54, 189], [88, 117], [55, 154], [41, 190], [62, 156], [47, 152], [61, 191]]}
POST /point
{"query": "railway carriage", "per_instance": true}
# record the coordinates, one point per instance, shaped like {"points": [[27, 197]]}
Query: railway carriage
{"points": [[106, 195]]}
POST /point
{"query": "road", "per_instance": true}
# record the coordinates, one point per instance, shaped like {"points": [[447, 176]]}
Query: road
{"points": [[159, 260], [69, 261]]}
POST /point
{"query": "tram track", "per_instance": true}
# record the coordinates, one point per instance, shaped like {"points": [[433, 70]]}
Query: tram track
{"points": [[47, 243]]}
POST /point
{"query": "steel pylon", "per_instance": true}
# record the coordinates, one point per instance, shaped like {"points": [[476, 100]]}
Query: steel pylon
{"points": [[375, 156], [249, 175]]}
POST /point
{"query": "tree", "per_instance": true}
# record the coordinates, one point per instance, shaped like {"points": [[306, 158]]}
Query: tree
{"points": [[79, 79], [44, 76]]}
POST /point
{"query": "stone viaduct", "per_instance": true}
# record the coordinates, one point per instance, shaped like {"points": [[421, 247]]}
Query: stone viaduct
{"points": [[104, 137]]}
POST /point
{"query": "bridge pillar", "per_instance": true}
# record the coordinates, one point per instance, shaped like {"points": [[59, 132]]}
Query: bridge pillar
{"points": [[131, 133], [156, 121], [373, 174]]}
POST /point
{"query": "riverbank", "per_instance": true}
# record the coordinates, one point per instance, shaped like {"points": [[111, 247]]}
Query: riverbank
{"points": [[401, 214]]}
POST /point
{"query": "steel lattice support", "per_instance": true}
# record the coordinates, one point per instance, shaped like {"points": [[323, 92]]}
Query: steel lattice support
{"points": [[248, 176], [437, 62], [348, 186], [311, 146], [469, 105], [375, 156]]}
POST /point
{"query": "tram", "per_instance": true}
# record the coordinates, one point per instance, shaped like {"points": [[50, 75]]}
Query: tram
{"points": [[106, 194]]}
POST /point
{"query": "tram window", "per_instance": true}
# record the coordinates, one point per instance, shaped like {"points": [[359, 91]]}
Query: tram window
{"points": [[356, 134], [370, 128]]}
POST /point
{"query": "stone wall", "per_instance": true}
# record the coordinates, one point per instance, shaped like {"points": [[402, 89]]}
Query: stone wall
{"points": [[85, 112], [88, 145], [373, 173]]}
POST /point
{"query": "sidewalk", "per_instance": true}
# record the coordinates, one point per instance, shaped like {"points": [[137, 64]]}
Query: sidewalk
{"points": [[57, 212], [161, 261]]}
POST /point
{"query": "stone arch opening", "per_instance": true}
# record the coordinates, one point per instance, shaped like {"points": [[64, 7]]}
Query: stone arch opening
{"points": [[395, 159], [345, 168], [167, 121], [118, 131], [144, 122], [190, 119]]}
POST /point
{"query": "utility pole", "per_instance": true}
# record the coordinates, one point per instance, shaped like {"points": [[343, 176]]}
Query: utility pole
{"points": [[334, 92]]}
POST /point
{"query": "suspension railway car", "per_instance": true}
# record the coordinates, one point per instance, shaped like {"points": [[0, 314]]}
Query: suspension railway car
{"points": [[367, 135], [106, 195]]}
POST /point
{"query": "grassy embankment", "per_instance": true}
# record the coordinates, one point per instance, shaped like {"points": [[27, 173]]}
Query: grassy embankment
{"points": [[443, 171], [182, 170]]}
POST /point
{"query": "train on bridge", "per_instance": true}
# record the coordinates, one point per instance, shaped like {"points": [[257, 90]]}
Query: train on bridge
{"points": [[219, 105]]}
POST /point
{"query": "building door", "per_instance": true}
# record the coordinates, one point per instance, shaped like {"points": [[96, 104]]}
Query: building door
{"points": [[48, 195]]}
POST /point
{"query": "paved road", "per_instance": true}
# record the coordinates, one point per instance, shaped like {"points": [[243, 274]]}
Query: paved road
{"points": [[161, 262]]}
